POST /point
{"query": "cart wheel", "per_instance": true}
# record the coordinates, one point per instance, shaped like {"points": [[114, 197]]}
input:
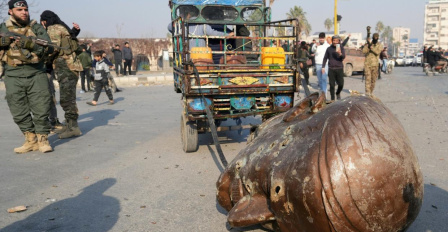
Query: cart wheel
{"points": [[189, 134], [177, 90]]}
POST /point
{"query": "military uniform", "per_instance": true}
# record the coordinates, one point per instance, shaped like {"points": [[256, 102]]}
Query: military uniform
{"points": [[371, 65], [27, 91], [66, 68]]}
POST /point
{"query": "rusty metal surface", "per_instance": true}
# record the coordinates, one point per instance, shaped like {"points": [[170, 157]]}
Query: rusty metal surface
{"points": [[344, 167]]}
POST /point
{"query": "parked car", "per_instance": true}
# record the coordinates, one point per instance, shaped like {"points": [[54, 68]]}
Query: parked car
{"points": [[399, 61], [353, 62], [417, 59], [408, 60]]}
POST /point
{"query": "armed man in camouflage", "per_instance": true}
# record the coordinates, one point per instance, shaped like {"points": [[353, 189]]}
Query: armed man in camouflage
{"points": [[26, 81], [66, 67], [372, 51]]}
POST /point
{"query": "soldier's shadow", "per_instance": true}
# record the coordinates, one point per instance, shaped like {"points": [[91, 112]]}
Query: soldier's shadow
{"points": [[87, 122], [91, 210]]}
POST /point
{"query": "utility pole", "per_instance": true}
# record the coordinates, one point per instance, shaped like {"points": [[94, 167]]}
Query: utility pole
{"points": [[336, 23]]}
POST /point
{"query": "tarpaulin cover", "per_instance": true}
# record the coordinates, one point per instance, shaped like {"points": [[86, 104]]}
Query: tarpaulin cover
{"points": [[219, 2]]}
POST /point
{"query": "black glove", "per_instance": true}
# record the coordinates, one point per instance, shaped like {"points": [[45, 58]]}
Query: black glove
{"points": [[27, 43], [5, 41]]}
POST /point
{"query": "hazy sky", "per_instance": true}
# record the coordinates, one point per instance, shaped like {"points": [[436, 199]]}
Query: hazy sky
{"points": [[149, 18]]}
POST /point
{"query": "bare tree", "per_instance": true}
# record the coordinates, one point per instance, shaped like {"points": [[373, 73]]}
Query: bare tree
{"points": [[119, 28], [87, 35]]}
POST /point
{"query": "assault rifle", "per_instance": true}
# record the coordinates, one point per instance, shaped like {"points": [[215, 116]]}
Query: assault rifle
{"points": [[41, 42]]}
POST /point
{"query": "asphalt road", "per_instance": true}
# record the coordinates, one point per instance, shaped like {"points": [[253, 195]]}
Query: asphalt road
{"points": [[128, 171]]}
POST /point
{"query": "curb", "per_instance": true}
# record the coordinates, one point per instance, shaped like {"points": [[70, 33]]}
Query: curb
{"points": [[130, 81]]}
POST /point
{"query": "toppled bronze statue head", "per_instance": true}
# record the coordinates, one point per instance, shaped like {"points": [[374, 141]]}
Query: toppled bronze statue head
{"points": [[348, 166]]}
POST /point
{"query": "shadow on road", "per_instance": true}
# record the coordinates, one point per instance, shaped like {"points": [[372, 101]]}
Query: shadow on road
{"points": [[89, 211], [116, 100], [88, 122], [432, 216], [216, 158]]}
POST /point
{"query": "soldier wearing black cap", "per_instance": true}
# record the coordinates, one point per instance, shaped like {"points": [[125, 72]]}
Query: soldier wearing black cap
{"points": [[26, 81]]}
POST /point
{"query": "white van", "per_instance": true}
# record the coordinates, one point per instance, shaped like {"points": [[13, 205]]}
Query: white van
{"points": [[417, 59]]}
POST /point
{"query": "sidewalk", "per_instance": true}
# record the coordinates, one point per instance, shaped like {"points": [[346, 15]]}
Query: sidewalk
{"points": [[144, 78]]}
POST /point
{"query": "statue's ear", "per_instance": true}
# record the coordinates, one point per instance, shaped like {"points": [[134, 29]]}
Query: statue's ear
{"points": [[308, 106], [319, 103], [249, 211]]}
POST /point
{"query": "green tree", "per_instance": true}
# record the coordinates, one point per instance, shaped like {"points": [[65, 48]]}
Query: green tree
{"points": [[328, 24], [405, 37], [379, 27], [297, 13], [387, 35]]}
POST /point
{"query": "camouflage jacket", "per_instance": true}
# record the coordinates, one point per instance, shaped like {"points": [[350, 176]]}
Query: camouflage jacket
{"points": [[59, 34], [372, 54], [27, 70]]}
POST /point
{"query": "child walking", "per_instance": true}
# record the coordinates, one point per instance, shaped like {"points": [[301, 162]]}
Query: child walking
{"points": [[101, 80]]}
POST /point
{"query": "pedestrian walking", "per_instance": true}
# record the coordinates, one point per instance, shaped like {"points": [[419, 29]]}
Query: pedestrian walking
{"points": [[54, 121], [319, 51], [372, 51], [86, 62], [303, 57], [101, 79], [26, 81], [335, 55], [384, 57], [127, 58], [67, 68]]}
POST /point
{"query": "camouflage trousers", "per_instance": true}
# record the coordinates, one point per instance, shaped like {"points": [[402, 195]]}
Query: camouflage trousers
{"points": [[371, 74], [68, 80]]}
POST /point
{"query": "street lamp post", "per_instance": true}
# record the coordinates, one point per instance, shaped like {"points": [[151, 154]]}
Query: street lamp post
{"points": [[336, 25]]}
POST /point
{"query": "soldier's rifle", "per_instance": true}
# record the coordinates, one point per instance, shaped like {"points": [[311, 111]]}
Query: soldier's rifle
{"points": [[41, 42], [368, 36]]}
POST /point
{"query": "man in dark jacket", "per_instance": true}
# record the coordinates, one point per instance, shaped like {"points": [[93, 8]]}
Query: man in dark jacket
{"points": [[335, 55], [86, 61], [424, 57], [431, 57], [127, 58], [118, 57]]}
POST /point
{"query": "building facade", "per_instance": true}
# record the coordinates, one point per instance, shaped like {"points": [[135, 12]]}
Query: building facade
{"points": [[414, 47], [401, 37], [356, 40], [436, 23]]}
